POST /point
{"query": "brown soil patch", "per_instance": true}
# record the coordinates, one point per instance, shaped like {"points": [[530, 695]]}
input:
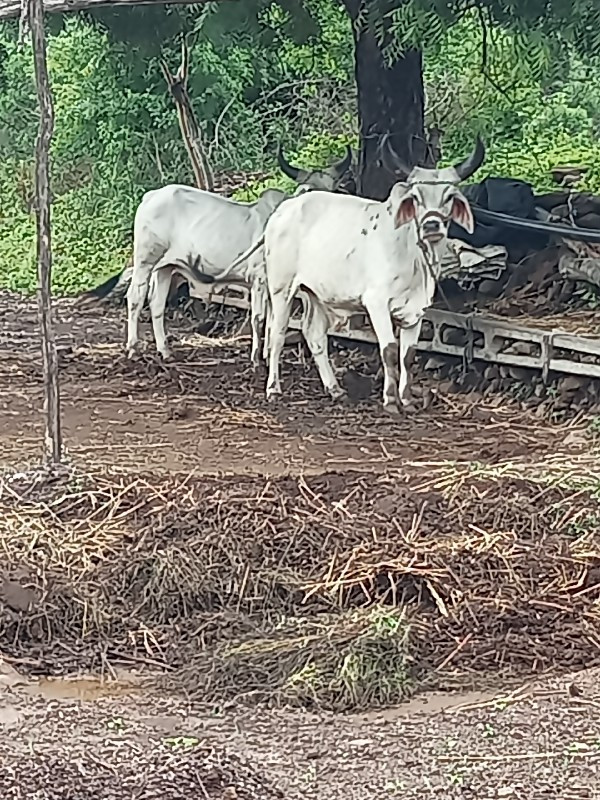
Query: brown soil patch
{"points": [[126, 769], [537, 741], [308, 553], [207, 411]]}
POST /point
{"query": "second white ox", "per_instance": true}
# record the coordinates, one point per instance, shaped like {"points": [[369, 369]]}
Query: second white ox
{"points": [[194, 232], [349, 254]]}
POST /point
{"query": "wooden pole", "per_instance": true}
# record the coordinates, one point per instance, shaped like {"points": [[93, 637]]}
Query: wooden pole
{"points": [[53, 439]]}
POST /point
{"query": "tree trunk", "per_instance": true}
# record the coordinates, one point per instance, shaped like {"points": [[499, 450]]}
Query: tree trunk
{"points": [[390, 101], [53, 439], [188, 124]]}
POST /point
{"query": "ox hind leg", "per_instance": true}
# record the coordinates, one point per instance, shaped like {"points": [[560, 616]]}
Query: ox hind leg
{"points": [[160, 285], [388, 346], [315, 325], [143, 268], [408, 343], [266, 338], [258, 315], [279, 318]]}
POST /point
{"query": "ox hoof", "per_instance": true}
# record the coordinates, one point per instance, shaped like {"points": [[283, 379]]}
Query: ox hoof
{"points": [[335, 392], [273, 395], [166, 355], [131, 353], [392, 408], [410, 404]]}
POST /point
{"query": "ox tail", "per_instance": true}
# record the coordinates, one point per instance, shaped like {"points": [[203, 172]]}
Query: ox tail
{"points": [[115, 286], [102, 291], [204, 277]]}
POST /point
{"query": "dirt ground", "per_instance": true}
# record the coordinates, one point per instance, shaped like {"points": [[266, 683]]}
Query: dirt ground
{"points": [[68, 740], [203, 423], [207, 411]]}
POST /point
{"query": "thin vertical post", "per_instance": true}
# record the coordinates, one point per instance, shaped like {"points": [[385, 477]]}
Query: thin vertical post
{"points": [[53, 438]]}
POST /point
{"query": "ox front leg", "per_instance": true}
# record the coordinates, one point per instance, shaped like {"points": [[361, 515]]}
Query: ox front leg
{"points": [[389, 349], [408, 344]]}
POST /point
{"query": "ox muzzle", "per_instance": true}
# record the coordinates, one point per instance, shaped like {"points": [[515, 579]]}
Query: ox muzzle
{"points": [[433, 227]]}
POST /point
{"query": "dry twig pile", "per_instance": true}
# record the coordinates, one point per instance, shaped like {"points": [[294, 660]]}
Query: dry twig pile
{"points": [[338, 590]]}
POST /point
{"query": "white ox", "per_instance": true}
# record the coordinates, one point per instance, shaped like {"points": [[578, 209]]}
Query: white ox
{"points": [[197, 233], [347, 254]]}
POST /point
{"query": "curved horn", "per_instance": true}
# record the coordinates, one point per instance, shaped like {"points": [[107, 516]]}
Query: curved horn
{"points": [[392, 161], [471, 164], [341, 167], [285, 166]]}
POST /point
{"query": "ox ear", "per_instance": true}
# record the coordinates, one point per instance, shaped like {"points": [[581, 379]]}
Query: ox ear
{"points": [[462, 214], [406, 211], [402, 204]]}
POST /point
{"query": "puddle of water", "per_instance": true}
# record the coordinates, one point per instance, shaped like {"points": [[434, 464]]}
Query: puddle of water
{"points": [[430, 703], [78, 688], [86, 688]]}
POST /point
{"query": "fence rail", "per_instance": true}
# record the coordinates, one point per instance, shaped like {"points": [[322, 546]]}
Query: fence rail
{"points": [[473, 336]]}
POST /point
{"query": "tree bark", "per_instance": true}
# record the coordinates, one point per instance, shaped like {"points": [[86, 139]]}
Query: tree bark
{"points": [[53, 438], [188, 124], [391, 100]]}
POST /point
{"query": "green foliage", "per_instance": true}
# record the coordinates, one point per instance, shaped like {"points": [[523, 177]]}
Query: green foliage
{"points": [[541, 31], [265, 71], [529, 126], [319, 148]]}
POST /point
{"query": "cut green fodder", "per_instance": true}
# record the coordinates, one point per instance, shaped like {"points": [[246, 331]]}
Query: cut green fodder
{"points": [[352, 660]]}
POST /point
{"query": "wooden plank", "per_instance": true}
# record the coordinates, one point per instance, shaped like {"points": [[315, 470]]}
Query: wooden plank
{"points": [[570, 341]]}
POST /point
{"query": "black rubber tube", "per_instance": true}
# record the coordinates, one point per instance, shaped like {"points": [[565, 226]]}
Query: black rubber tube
{"points": [[565, 231]]}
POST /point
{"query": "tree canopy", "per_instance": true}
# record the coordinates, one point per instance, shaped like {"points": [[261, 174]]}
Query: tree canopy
{"points": [[12, 8], [260, 71], [389, 38]]}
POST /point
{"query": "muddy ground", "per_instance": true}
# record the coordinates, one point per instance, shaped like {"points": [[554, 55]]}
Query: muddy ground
{"points": [[475, 513], [540, 740], [208, 412]]}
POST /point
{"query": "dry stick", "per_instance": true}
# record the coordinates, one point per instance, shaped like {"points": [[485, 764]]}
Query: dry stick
{"points": [[468, 757], [455, 652], [53, 439], [517, 696]]}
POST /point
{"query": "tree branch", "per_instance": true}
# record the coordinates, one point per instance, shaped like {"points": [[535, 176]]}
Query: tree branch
{"points": [[12, 8], [352, 8], [188, 124]]}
